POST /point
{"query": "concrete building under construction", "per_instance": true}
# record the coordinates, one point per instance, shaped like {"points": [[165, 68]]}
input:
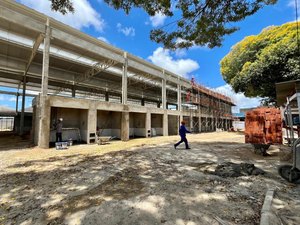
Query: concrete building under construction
{"points": [[95, 86]]}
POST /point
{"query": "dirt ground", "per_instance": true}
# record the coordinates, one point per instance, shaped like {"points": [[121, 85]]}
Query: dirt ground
{"points": [[140, 182]]}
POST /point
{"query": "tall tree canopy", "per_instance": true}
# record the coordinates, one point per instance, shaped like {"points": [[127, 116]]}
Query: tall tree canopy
{"points": [[255, 64], [195, 22]]}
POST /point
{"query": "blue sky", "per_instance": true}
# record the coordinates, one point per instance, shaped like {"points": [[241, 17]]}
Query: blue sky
{"points": [[131, 33]]}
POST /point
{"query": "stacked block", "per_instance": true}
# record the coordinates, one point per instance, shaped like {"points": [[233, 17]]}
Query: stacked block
{"points": [[263, 126]]}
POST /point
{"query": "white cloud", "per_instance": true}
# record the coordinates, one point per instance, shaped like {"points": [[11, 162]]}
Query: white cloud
{"points": [[194, 46], [239, 99], [158, 19], [6, 98], [103, 39], [180, 52], [84, 15], [161, 57], [12, 99], [127, 31], [291, 3]]}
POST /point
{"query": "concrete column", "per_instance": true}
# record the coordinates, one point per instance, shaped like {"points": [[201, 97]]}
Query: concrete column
{"points": [[214, 123], [165, 124], [191, 124], [73, 92], [124, 80], [200, 124], [44, 128], [106, 96], [44, 124], [148, 124], [92, 123], [164, 92], [179, 97], [125, 126]]}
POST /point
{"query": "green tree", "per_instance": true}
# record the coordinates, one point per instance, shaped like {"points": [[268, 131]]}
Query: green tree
{"points": [[194, 22], [255, 64]]}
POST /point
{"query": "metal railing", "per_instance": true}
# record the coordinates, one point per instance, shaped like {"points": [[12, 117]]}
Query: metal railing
{"points": [[6, 123]]}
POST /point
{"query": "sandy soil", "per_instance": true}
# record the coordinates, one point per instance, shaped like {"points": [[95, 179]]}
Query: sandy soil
{"points": [[142, 181]]}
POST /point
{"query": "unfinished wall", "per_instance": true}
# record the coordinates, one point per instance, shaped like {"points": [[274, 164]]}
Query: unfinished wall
{"points": [[83, 123], [27, 123], [74, 120], [156, 125], [109, 123], [137, 123], [173, 124]]}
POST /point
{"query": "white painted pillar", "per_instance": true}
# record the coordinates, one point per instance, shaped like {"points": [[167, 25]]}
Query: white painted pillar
{"points": [[44, 125], [124, 80]]}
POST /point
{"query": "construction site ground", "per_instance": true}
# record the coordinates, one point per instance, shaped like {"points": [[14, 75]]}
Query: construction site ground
{"points": [[142, 181]]}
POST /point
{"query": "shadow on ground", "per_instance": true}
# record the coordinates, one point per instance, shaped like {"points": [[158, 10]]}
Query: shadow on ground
{"points": [[156, 185]]}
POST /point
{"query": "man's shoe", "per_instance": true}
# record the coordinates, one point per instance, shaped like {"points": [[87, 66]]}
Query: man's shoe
{"points": [[188, 148]]}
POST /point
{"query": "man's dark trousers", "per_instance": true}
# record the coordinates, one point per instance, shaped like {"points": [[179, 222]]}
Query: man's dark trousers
{"points": [[58, 137], [183, 139]]}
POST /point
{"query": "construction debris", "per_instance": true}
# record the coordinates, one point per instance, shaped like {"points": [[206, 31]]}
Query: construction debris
{"points": [[229, 169]]}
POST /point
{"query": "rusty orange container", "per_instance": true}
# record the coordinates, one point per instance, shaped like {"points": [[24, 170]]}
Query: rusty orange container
{"points": [[263, 126]]}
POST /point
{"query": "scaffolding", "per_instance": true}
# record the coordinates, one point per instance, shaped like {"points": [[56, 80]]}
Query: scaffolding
{"points": [[208, 110]]}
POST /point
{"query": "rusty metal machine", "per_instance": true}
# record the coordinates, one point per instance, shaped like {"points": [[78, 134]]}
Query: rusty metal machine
{"points": [[288, 95]]}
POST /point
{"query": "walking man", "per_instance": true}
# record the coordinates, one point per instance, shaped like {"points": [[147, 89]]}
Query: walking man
{"points": [[182, 133], [59, 126]]}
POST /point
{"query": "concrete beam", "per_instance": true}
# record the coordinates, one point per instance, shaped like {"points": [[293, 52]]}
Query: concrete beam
{"points": [[36, 46], [84, 45], [144, 68], [15, 93], [13, 16]]}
